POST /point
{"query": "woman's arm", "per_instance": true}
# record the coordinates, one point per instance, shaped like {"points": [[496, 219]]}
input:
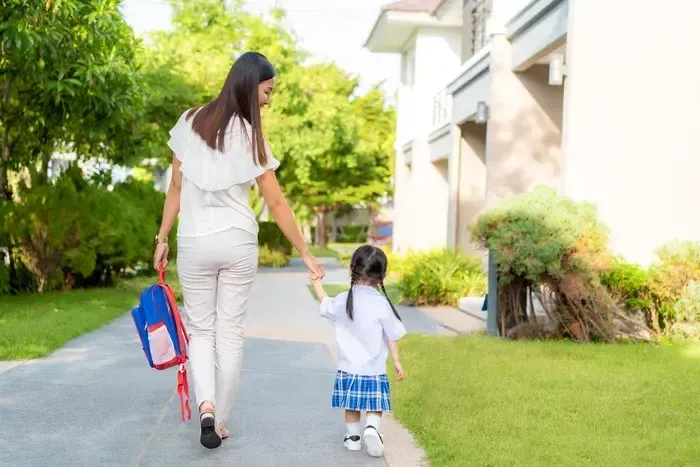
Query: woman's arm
{"points": [[170, 211], [172, 200], [282, 213], [280, 210]]}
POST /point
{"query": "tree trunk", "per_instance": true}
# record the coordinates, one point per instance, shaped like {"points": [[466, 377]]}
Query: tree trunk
{"points": [[334, 228], [321, 237]]}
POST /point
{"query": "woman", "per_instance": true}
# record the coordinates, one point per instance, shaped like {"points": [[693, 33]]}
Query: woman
{"points": [[219, 151]]}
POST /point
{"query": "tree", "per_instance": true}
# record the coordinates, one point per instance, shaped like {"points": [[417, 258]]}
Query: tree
{"points": [[338, 152], [335, 147], [67, 82]]}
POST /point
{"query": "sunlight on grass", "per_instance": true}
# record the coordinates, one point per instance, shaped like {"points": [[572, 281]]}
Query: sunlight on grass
{"points": [[474, 401], [34, 325], [319, 252]]}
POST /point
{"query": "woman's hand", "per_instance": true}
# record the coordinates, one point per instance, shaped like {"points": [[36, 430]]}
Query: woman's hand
{"points": [[317, 272], [160, 257]]}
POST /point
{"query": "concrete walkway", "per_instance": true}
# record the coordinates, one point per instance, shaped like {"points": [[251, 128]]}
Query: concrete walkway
{"points": [[96, 403]]}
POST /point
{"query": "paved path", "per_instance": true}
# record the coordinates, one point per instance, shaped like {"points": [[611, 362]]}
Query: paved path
{"points": [[96, 403]]}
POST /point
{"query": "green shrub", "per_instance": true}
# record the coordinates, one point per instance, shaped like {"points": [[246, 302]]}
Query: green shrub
{"points": [[555, 248], [678, 264], [687, 314], [50, 227], [440, 277], [628, 283], [271, 236], [353, 234], [271, 258], [75, 233]]}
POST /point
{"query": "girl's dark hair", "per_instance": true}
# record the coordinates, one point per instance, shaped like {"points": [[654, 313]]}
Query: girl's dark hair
{"points": [[368, 266], [238, 98]]}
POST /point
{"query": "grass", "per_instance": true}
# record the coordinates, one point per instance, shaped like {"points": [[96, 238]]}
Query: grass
{"points": [[474, 400], [319, 252], [334, 289], [34, 325]]}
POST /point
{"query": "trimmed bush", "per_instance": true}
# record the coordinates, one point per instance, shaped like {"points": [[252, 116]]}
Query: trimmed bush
{"points": [[271, 258], [555, 248], [440, 277], [271, 236], [628, 283]]}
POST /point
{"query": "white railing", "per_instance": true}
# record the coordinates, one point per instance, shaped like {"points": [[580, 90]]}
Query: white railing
{"points": [[442, 107]]}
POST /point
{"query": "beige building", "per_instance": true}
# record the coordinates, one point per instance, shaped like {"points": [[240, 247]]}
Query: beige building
{"points": [[597, 98]]}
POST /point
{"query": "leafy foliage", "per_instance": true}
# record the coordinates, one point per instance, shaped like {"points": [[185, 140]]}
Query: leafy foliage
{"points": [[441, 277], [271, 236], [72, 232], [335, 146], [555, 248], [628, 283], [678, 264], [67, 81], [271, 258], [686, 324]]}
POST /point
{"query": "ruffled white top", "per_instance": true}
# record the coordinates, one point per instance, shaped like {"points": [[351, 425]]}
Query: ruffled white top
{"points": [[362, 341], [215, 184]]}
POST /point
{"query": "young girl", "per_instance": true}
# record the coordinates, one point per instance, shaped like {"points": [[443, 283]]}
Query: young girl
{"points": [[367, 328]]}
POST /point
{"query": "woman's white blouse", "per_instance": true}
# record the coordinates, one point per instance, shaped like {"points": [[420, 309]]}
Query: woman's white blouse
{"points": [[215, 184], [362, 341]]}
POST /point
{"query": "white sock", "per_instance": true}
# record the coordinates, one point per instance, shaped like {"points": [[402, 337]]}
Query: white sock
{"points": [[206, 415], [374, 420], [353, 428]]}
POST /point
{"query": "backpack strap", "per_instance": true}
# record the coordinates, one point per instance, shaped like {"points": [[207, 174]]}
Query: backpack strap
{"points": [[183, 388]]}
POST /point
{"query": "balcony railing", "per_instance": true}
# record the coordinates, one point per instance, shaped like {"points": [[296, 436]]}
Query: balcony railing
{"points": [[441, 108], [480, 13]]}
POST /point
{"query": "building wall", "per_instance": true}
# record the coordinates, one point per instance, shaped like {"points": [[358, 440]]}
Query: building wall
{"points": [[524, 128], [631, 119], [472, 182], [422, 190]]}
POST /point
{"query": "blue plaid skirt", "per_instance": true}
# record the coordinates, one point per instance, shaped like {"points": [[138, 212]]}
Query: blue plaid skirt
{"points": [[361, 392]]}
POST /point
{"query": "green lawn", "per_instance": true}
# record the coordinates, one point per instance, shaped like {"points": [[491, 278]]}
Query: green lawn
{"points": [[334, 289], [479, 401], [319, 252], [34, 325]]}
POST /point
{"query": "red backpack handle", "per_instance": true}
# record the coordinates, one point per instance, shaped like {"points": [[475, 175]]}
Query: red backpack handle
{"points": [[183, 389]]}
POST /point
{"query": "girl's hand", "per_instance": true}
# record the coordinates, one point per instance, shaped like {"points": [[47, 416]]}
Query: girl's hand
{"points": [[399, 371], [160, 257], [317, 272]]}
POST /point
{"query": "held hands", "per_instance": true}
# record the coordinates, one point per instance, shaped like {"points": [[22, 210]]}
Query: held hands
{"points": [[315, 268], [399, 371]]}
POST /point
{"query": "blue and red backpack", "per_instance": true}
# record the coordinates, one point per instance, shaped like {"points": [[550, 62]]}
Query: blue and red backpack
{"points": [[163, 335]]}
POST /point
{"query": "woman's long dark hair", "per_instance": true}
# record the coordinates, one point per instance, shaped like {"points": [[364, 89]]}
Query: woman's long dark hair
{"points": [[239, 97], [368, 266]]}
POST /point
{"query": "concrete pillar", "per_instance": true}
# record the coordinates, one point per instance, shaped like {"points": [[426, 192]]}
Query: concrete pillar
{"points": [[453, 185]]}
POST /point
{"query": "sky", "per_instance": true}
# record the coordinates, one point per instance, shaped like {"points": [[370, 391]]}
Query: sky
{"points": [[330, 30]]}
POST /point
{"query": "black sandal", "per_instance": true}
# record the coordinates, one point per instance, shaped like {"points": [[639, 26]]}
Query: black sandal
{"points": [[209, 437]]}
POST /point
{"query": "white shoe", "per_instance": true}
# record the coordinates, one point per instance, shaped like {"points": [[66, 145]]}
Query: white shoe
{"points": [[373, 442], [352, 442]]}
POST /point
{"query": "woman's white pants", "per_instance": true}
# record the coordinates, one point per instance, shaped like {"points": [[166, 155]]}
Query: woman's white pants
{"points": [[216, 274]]}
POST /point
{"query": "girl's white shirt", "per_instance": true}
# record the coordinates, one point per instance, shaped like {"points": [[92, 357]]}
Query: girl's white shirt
{"points": [[215, 184], [362, 341]]}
